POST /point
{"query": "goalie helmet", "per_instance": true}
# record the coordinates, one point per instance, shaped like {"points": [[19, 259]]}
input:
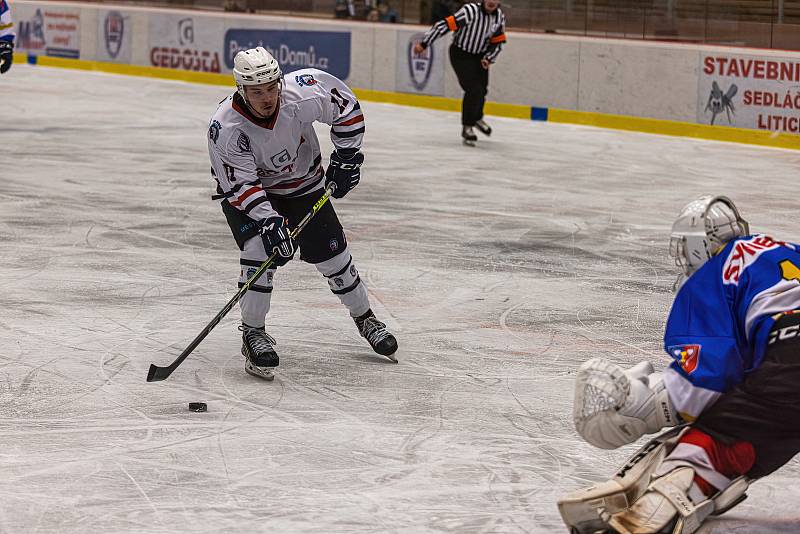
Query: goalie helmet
{"points": [[702, 229], [255, 67]]}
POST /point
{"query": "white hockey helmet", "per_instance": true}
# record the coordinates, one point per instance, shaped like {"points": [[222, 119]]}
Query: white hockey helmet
{"points": [[255, 67], [702, 229]]}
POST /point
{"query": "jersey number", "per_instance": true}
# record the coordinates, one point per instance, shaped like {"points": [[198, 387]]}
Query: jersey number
{"points": [[340, 101], [790, 271], [229, 172]]}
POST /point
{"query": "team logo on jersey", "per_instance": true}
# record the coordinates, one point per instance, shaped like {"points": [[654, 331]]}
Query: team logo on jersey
{"points": [[113, 30], [281, 158], [333, 244], [687, 356], [305, 80], [213, 131], [338, 281], [243, 143], [353, 271], [744, 253], [250, 272]]}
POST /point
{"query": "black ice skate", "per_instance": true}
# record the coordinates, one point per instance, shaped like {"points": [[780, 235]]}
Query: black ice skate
{"points": [[484, 128], [375, 332], [260, 357], [468, 134]]}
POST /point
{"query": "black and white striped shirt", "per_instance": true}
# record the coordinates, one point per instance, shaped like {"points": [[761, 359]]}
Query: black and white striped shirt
{"points": [[476, 31]]}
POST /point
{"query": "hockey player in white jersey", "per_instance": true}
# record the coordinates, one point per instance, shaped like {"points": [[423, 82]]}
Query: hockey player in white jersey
{"points": [[732, 333], [266, 160], [6, 37]]}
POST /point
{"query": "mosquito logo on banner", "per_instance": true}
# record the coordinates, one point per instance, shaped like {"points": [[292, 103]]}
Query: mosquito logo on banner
{"points": [[420, 66], [114, 31]]}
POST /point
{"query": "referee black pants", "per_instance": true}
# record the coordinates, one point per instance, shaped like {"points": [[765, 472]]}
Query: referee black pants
{"points": [[765, 408], [474, 80]]}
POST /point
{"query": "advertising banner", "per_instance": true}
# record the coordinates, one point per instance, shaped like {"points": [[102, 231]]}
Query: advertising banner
{"points": [[178, 41], [114, 31], [48, 31], [419, 73], [757, 92], [295, 49]]}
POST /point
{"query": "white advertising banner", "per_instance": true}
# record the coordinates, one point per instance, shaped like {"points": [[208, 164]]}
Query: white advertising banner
{"points": [[48, 30], [758, 92], [178, 41], [424, 73], [114, 32]]}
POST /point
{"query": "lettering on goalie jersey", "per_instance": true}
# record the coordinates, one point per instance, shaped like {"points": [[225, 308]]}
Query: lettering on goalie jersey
{"points": [[744, 253]]}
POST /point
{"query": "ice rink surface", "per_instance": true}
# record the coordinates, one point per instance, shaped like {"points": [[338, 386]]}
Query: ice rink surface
{"points": [[500, 269]]}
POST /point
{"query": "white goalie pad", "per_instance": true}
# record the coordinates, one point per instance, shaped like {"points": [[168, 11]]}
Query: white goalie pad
{"points": [[588, 510]]}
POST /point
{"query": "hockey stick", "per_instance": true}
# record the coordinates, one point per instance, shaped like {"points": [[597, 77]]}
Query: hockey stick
{"points": [[156, 373]]}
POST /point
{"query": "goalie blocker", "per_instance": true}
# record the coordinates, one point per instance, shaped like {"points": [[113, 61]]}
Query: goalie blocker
{"points": [[589, 511]]}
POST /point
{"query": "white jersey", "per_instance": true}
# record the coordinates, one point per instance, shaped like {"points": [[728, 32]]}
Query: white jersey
{"points": [[251, 157]]}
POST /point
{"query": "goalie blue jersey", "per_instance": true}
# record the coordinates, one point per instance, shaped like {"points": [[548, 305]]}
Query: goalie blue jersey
{"points": [[6, 25], [719, 326]]}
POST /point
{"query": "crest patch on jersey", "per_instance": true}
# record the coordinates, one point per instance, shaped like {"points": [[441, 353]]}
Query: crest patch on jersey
{"points": [[333, 244], [687, 356], [305, 80], [243, 143], [213, 131]]}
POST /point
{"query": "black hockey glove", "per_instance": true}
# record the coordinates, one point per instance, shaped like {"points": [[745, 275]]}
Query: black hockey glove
{"points": [[6, 55], [344, 170], [275, 235]]}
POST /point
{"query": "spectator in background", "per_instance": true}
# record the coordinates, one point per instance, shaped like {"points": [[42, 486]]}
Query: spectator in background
{"points": [[444, 8], [344, 9], [386, 12], [233, 6]]}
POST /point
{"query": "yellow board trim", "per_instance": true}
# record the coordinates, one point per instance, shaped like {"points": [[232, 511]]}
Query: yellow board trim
{"points": [[676, 128], [517, 111], [209, 78]]}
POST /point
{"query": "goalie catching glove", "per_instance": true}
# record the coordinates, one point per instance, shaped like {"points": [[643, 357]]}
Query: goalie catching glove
{"points": [[344, 170], [614, 407], [275, 235]]}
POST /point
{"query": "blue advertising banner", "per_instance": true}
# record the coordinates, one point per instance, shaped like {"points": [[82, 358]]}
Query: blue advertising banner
{"points": [[295, 49]]}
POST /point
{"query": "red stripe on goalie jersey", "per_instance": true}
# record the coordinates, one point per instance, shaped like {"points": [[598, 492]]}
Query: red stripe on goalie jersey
{"points": [[730, 461]]}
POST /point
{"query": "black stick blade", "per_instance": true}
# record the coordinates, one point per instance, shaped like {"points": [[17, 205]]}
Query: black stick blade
{"points": [[156, 373]]}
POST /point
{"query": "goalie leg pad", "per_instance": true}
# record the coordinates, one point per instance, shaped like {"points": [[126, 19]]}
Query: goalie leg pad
{"points": [[589, 510]]}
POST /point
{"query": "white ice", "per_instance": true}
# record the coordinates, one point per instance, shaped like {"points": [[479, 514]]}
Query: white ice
{"points": [[500, 269]]}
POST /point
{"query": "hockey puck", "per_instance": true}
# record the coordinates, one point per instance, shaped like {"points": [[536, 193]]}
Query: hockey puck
{"points": [[198, 406]]}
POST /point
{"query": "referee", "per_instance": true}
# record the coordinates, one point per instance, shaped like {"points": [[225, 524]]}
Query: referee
{"points": [[479, 34]]}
